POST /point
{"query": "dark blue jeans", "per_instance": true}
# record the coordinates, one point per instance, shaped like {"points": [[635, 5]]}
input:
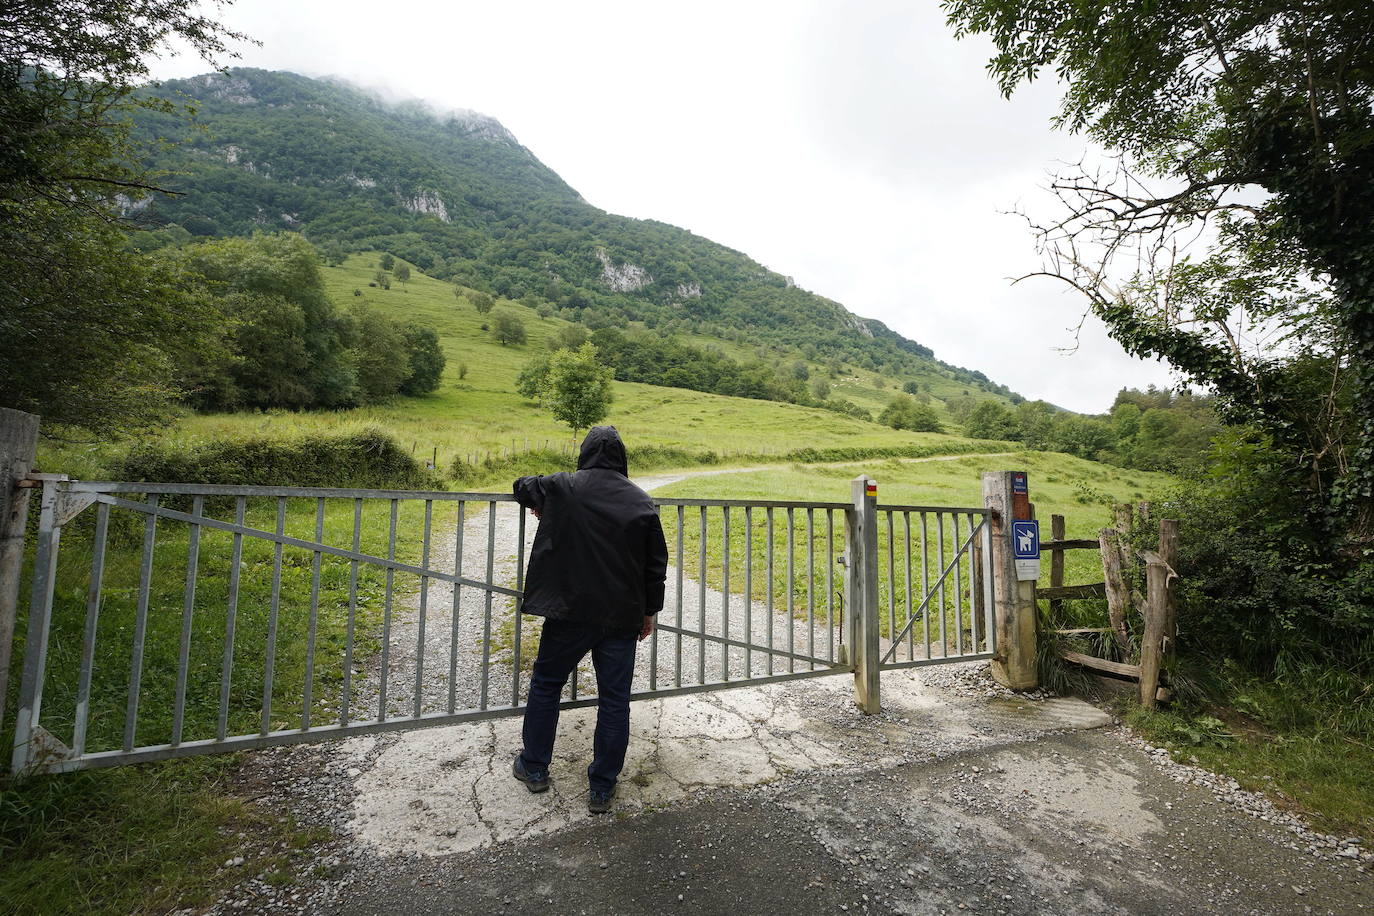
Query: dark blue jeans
{"points": [[561, 646]]}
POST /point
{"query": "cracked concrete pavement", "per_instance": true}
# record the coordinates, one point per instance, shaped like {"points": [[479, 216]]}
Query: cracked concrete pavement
{"points": [[449, 790], [785, 799]]}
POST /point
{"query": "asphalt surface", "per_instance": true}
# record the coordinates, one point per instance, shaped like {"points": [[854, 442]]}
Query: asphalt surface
{"points": [[1067, 823]]}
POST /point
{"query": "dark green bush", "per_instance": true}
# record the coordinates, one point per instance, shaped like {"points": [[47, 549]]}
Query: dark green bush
{"points": [[368, 459], [1259, 582]]}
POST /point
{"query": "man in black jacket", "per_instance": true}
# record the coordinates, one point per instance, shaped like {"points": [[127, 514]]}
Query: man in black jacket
{"points": [[596, 577]]}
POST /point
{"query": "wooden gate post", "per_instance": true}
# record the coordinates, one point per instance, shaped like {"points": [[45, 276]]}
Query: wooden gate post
{"points": [[1013, 660], [18, 442], [861, 593]]}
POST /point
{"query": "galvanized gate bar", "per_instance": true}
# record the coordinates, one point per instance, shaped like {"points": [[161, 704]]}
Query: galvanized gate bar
{"points": [[83, 689], [740, 644], [312, 624]]}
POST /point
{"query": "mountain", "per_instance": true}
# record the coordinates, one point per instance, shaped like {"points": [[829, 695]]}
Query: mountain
{"points": [[455, 193]]}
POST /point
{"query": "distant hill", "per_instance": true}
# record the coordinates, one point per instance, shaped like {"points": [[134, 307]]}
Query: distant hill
{"points": [[454, 193]]}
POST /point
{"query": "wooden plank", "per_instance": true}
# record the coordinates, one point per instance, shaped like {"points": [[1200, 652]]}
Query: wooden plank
{"points": [[1101, 664], [1118, 591], [1078, 631], [1060, 543], [1091, 590]]}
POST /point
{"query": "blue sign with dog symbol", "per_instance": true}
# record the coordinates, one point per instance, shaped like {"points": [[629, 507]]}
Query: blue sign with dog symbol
{"points": [[1025, 539]]}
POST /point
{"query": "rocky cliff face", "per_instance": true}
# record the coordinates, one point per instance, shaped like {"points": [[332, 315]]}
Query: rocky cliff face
{"points": [[622, 278], [430, 203]]}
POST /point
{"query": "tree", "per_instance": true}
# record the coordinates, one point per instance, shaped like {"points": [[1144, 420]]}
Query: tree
{"points": [[529, 384], [482, 302], [403, 272], [820, 388], [426, 360], [569, 337], [281, 342], [1247, 126], [380, 355], [70, 283], [577, 388], [507, 328], [386, 261], [902, 412], [990, 420]]}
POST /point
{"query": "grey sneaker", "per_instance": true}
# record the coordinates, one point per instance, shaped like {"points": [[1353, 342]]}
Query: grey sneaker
{"points": [[598, 801], [535, 782]]}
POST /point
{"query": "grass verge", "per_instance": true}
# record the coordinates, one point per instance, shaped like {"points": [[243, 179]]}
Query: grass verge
{"points": [[135, 840], [1304, 737]]}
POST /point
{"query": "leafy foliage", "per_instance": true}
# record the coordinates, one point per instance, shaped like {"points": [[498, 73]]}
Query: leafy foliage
{"points": [[368, 458], [571, 383], [426, 360], [69, 283], [643, 356], [507, 327], [1257, 119], [902, 412], [282, 343]]}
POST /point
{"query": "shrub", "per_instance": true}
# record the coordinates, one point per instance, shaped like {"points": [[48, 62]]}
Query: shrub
{"points": [[1257, 584], [366, 459]]}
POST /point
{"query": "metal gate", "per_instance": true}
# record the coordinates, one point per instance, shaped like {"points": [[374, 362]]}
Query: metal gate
{"points": [[174, 619]]}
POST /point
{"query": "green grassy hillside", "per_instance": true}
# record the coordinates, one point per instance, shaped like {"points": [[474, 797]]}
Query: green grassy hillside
{"points": [[456, 194], [478, 411]]}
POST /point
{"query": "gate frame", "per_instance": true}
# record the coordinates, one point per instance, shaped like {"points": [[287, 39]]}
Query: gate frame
{"points": [[62, 500]]}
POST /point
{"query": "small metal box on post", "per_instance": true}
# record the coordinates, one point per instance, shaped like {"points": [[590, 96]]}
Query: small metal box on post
{"points": [[1007, 498], [861, 593]]}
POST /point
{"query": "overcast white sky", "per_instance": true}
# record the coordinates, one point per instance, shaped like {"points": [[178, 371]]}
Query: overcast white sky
{"points": [[855, 146]]}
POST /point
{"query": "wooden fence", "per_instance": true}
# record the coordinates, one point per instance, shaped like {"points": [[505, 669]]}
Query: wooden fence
{"points": [[1157, 604]]}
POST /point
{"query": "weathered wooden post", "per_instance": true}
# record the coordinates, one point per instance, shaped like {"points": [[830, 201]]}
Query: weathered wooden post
{"points": [[861, 593], [1157, 575], [1013, 662], [18, 442], [1057, 535]]}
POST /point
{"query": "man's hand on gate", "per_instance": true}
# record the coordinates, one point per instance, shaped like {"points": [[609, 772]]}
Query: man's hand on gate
{"points": [[647, 628]]}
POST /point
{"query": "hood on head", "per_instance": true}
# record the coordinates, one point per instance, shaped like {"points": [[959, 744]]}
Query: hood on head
{"points": [[603, 449]]}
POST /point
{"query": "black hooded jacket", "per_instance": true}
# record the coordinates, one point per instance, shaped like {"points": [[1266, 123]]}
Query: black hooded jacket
{"points": [[599, 555]]}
